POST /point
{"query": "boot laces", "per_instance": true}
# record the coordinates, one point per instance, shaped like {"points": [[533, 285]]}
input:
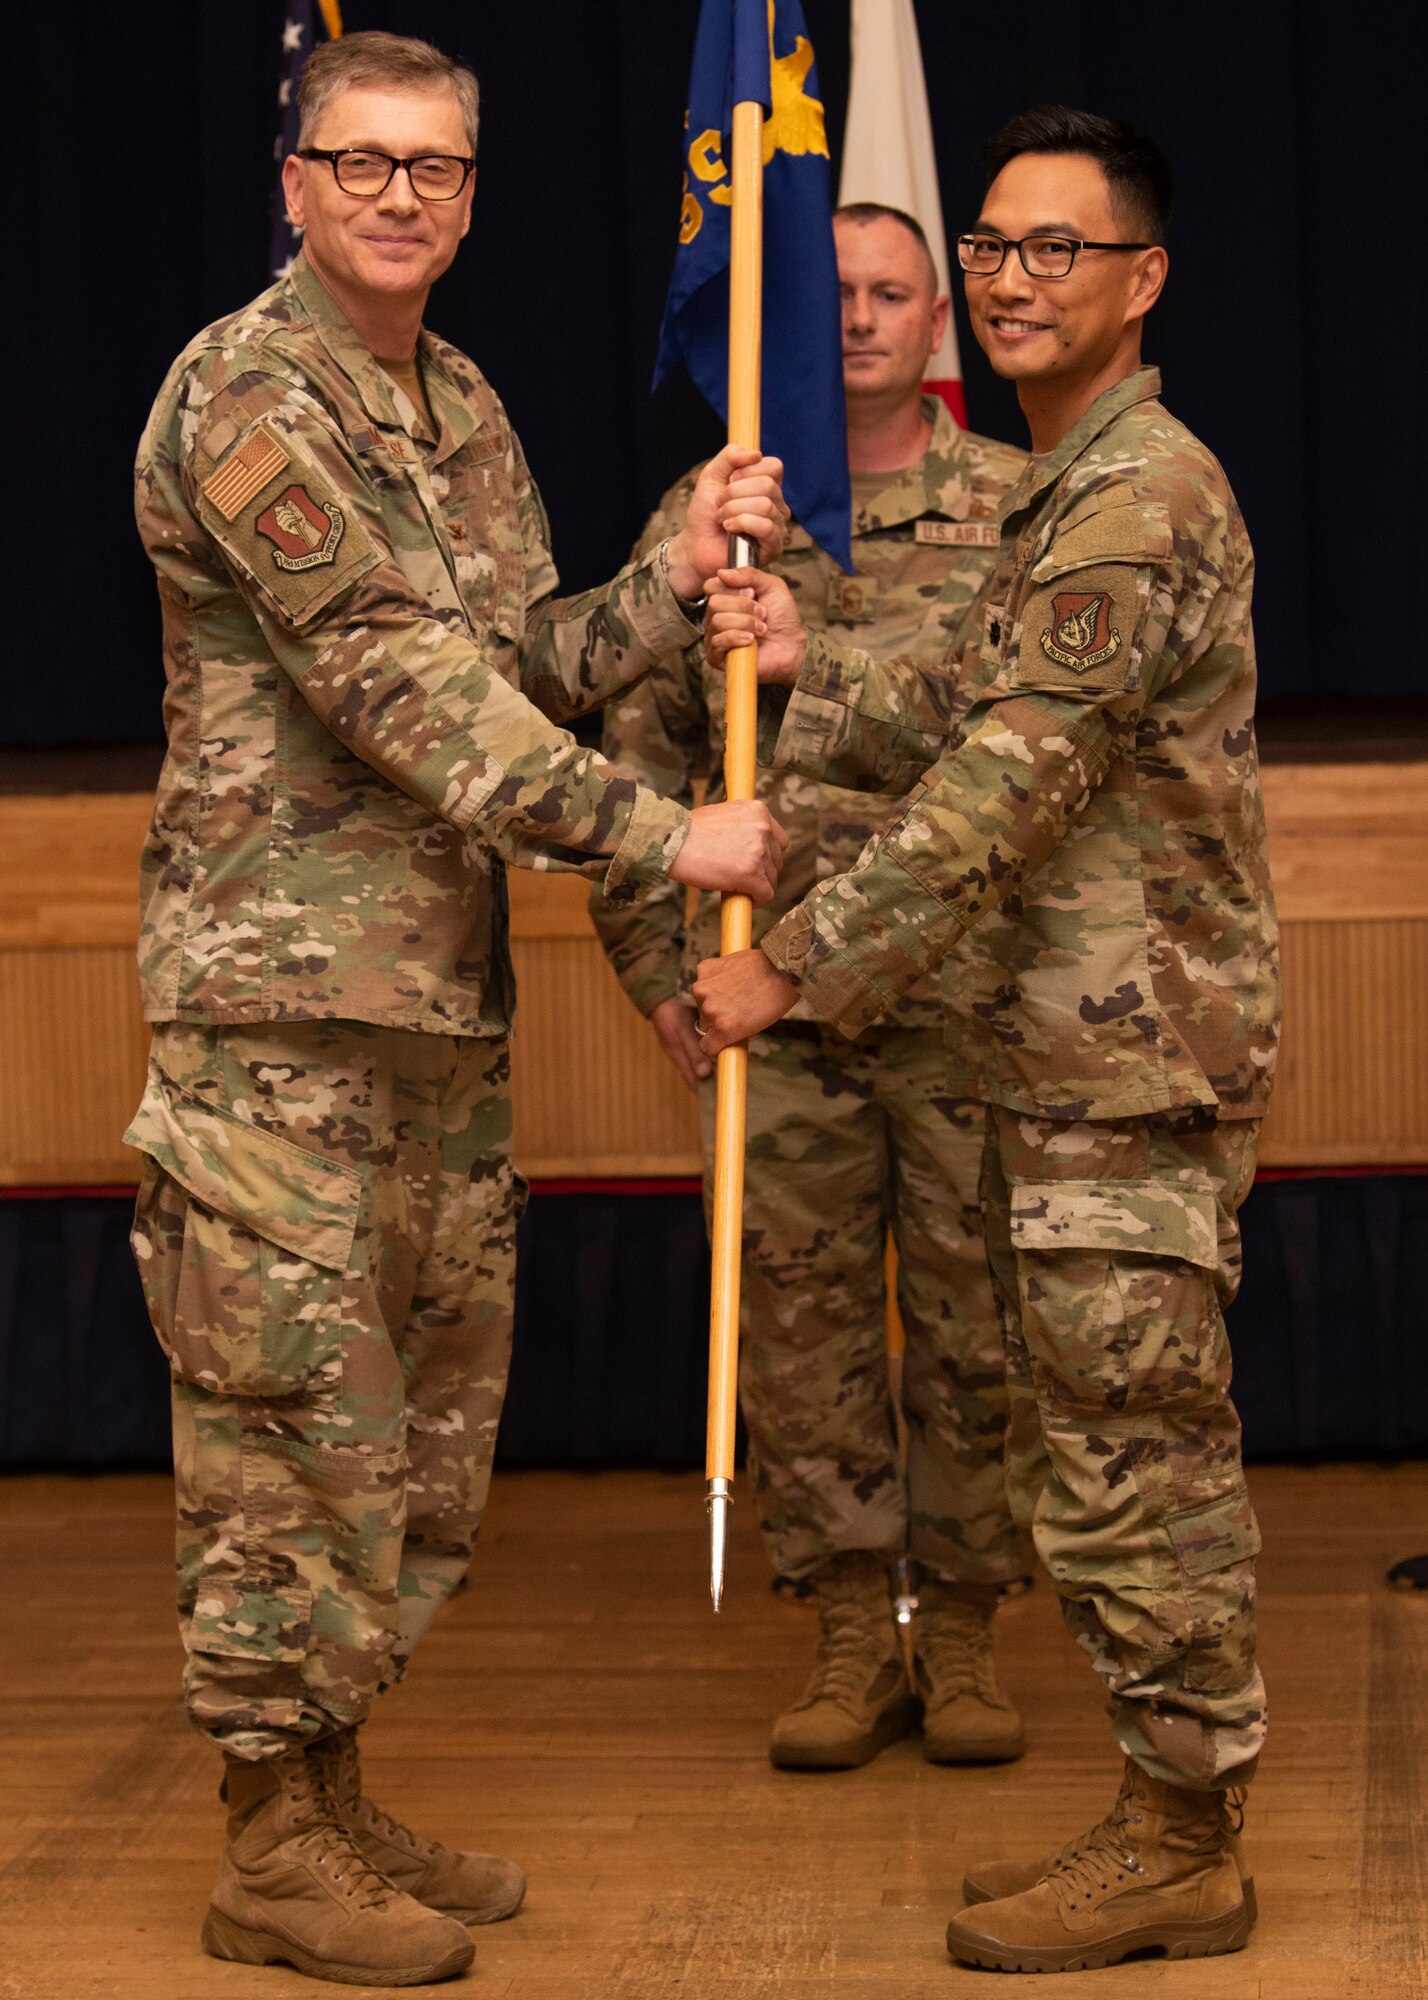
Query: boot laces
{"points": [[848, 1643], [1101, 1859], [954, 1640], [338, 1769], [1233, 1808], [1107, 1856], [328, 1844], [381, 1823], [323, 1839]]}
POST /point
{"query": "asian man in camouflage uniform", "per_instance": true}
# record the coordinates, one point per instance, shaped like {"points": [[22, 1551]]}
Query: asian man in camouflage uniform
{"points": [[363, 650], [849, 1136], [1085, 859]]}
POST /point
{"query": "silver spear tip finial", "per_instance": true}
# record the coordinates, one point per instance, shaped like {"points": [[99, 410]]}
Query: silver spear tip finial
{"points": [[718, 1501]]}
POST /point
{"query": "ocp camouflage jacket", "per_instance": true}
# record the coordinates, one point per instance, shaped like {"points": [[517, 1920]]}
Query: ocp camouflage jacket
{"points": [[362, 647], [1092, 824]]}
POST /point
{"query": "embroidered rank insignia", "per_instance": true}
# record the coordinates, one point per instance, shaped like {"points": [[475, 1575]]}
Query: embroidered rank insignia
{"points": [[256, 464], [1080, 634], [959, 534], [852, 600], [304, 532]]}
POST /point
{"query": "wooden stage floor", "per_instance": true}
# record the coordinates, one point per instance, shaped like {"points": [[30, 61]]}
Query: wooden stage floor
{"points": [[580, 1709]]}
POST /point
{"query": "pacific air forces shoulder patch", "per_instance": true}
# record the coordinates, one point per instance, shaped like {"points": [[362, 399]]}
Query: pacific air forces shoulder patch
{"points": [[1079, 632], [1080, 635]]}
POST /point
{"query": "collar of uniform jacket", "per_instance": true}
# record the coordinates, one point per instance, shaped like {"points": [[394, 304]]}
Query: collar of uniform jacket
{"points": [[932, 484], [924, 487], [373, 385], [1044, 471]]}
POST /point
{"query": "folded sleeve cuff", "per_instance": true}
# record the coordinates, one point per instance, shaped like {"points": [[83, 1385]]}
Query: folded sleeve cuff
{"points": [[829, 672], [649, 987], [785, 944], [656, 832], [654, 612], [830, 989]]}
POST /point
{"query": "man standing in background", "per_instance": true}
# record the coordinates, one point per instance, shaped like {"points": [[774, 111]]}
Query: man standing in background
{"points": [[362, 648], [847, 1138]]}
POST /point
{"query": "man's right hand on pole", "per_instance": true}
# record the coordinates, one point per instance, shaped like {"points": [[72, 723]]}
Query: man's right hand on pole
{"points": [[735, 847], [746, 607]]}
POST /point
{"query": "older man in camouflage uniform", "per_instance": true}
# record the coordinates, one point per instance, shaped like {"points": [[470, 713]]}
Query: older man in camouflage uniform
{"points": [[1091, 841], [362, 650], [847, 1136]]}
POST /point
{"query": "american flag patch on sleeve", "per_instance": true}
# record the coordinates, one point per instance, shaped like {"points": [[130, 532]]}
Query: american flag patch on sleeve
{"points": [[255, 464]]}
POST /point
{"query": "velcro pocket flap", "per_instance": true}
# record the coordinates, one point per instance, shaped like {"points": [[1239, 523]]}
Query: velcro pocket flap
{"points": [[1215, 1535], [1150, 1218], [251, 1621], [1112, 534], [279, 1191]]}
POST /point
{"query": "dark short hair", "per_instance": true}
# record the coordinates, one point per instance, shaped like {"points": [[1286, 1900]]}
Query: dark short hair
{"points": [[1141, 182], [874, 211]]}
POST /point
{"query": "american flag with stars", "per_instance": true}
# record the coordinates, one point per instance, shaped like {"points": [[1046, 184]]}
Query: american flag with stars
{"points": [[303, 24]]}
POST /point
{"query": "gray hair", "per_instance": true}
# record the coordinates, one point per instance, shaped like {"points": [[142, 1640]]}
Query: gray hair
{"points": [[400, 61]]}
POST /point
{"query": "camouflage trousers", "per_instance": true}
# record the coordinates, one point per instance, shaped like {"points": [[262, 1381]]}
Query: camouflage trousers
{"points": [[1115, 1248], [847, 1139], [326, 1235]]}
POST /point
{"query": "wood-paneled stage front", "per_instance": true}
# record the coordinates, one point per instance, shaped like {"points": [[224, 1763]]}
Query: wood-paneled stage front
{"points": [[581, 1709]]}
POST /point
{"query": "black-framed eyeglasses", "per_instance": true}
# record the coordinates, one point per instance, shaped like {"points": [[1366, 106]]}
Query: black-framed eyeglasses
{"points": [[1042, 256], [433, 176]]}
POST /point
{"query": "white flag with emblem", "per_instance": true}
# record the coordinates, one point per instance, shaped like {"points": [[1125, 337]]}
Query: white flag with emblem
{"points": [[888, 154]]}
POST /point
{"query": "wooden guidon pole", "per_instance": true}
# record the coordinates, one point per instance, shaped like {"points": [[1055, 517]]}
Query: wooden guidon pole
{"points": [[735, 932]]}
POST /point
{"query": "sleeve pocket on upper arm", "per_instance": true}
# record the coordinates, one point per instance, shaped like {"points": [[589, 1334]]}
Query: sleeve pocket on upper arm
{"points": [[1081, 624], [283, 524]]}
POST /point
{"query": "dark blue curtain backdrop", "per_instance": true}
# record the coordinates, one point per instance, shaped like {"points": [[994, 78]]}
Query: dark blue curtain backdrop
{"points": [[141, 172], [1330, 1331]]}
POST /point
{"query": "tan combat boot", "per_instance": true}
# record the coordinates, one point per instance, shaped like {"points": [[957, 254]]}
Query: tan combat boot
{"points": [[294, 1888], [966, 1718], [992, 1880], [1155, 1875], [858, 1700], [477, 1888]]}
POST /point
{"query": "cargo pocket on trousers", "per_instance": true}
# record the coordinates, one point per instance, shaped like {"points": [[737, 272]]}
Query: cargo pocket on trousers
{"points": [[1216, 1544], [266, 1240], [1156, 1251], [248, 1621]]}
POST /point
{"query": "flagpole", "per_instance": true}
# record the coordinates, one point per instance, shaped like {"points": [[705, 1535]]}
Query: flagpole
{"points": [[736, 916]]}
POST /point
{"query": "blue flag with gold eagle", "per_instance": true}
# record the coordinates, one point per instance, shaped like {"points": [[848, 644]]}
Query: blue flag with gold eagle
{"points": [[749, 50]]}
